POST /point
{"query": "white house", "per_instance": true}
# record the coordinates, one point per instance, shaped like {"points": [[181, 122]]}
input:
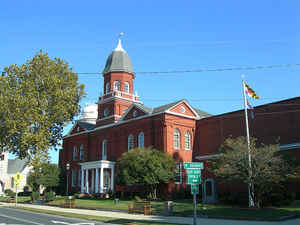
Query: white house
{"points": [[8, 168]]}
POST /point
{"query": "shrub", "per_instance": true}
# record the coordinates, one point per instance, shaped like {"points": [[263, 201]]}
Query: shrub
{"points": [[278, 196], [137, 198], [9, 192], [234, 198], [35, 196], [49, 196]]}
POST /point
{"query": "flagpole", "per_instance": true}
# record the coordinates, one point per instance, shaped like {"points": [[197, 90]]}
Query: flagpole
{"points": [[251, 203]]}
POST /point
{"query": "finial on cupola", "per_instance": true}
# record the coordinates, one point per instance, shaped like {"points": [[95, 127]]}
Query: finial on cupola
{"points": [[119, 46]]}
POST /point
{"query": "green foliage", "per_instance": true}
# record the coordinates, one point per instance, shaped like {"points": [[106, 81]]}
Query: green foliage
{"points": [[145, 166], [37, 99], [46, 175], [278, 195], [35, 196], [9, 192], [49, 196], [49, 175], [267, 166], [234, 198]]}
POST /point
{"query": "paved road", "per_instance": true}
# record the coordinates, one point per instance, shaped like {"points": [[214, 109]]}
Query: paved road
{"points": [[19, 217], [14, 216]]}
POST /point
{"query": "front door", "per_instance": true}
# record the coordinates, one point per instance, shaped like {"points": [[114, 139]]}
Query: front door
{"points": [[107, 180]]}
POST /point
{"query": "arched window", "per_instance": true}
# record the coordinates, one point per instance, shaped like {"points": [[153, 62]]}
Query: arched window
{"points": [[104, 150], [130, 142], [126, 87], [187, 140], [141, 139], [117, 86], [74, 152], [107, 88], [81, 153], [176, 139]]}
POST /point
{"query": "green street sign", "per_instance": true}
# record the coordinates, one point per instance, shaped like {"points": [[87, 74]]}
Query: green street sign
{"points": [[194, 179], [195, 189], [193, 172], [196, 165]]}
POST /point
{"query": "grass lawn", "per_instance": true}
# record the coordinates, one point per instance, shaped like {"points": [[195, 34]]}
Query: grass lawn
{"points": [[21, 199], [185, 208]]}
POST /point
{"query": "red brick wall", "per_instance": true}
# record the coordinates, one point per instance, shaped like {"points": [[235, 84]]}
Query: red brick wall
{"points": [[122, 77]]}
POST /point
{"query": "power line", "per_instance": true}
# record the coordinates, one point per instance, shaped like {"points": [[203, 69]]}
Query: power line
{"points": [[210, 70], [245, 68]]}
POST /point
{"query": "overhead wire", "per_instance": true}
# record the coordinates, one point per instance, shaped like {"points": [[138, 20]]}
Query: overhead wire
{"points": [[243, 68]]}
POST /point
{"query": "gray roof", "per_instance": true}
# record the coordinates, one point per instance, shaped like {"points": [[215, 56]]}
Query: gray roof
{"points": [[145, 108], [165, 107], [118, 61], [86, 126], [201, 113], [16, 165]]}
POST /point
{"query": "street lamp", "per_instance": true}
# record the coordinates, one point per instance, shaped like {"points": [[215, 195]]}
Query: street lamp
{"points": [[67, 167]]}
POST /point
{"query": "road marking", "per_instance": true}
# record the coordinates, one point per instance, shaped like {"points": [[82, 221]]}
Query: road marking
{"points": [[22, 220], [61, 222]]}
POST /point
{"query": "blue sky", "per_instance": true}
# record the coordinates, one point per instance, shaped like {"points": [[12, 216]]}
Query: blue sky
{"points": [[165, 36]]}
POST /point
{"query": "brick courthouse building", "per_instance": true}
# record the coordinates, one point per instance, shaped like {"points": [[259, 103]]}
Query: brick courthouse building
{"points": [[120, 122]]}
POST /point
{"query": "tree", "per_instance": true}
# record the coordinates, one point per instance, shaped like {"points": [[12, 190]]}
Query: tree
{"points": [[268, 166], [37, 99], [145, 166], [46, 175]]}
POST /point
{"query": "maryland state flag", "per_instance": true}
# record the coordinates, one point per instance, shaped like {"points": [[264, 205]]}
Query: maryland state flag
{"points": [[249, 91]]}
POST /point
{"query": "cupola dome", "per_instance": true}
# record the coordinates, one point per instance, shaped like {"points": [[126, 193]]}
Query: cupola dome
{"points": [[118, 61], [89, 113]]}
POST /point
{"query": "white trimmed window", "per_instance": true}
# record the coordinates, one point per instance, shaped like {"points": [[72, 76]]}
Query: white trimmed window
{"points": [[130, 142], [187, 140], [176, 139], [74, 178], [178, 173], [81, 152], [79, 178], [126, 87], [107, 88], [141, 139], [104, 150], [75, 153], [117, 86]]}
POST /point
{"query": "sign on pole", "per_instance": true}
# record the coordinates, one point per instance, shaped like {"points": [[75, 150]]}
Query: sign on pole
{"points": [[195, 189], [193, 172], [194, 179], [190, 165], [17, 178]]}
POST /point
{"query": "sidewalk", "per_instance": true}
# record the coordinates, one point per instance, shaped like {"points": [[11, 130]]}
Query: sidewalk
{"points": [[162, 219]]}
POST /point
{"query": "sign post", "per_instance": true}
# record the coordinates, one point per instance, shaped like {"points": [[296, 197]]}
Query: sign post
{"points": [[17, 178], [193, 171]]}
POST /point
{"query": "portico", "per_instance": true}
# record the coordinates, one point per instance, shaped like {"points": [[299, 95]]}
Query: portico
{"points": [[97, 176]]}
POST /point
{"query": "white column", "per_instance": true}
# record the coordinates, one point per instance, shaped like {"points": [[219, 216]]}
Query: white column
{"points": [[97, 180], [82, 181], [112, 179], [87, 181], [101, 181], [93, 181]]}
